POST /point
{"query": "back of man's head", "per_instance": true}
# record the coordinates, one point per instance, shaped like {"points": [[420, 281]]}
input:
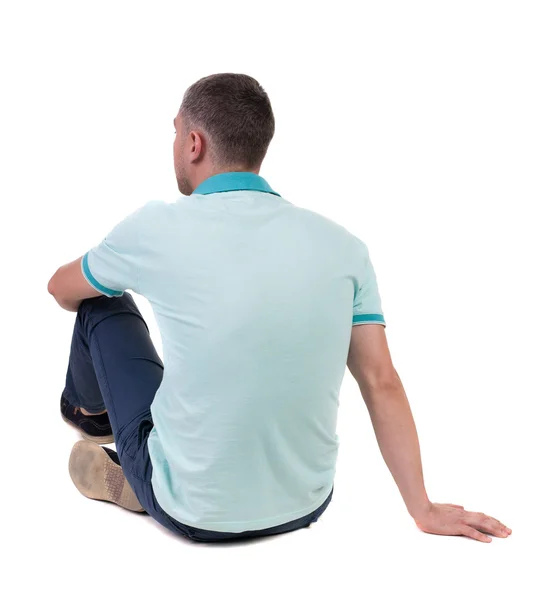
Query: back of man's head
{"points": [[235, 114]]}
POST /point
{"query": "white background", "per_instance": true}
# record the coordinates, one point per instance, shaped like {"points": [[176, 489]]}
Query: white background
{"points": [[411, 123]]}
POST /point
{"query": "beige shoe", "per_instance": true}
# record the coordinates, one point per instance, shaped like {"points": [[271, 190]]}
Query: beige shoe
{"points": [[96, 472]]}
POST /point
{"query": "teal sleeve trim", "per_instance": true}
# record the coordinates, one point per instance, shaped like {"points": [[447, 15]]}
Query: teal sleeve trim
{"points": [[375, 318], [98, 286]]}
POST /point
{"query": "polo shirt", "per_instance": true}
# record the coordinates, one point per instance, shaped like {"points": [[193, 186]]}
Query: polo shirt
{"points": [[255, 298]]}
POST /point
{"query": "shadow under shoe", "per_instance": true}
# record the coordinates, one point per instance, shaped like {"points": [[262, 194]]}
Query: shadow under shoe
{"points": [[96, 472]]}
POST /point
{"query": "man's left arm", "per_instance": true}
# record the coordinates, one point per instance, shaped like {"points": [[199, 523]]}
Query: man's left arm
{"points": [[69, 287], [108, 269]]}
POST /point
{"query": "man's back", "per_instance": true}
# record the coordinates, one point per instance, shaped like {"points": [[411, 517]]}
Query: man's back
{"points": [[255, 299]]}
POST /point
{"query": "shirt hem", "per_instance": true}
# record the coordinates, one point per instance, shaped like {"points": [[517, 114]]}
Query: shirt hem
{"points": [[242, 526]]}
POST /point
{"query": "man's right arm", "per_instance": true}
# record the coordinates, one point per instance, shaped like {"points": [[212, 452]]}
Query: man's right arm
{"points": [[370, 363]]}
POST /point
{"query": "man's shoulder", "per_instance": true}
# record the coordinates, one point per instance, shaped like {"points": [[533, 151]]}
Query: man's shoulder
{"points": [[154, 208], [158, 211], [327, 225]]}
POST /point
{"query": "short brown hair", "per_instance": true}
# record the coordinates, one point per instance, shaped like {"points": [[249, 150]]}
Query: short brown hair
{"points": [[235, 113]]}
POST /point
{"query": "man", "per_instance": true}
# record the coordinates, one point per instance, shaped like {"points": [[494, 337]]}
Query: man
{"points": [[260, 304]]}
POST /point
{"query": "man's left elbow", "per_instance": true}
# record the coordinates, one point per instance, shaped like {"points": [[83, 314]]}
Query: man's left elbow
{"points": [[52, 286], [55, 291]]}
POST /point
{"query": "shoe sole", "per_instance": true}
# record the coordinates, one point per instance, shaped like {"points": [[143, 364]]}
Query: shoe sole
{"points": [[98, 439], [96, 476]]}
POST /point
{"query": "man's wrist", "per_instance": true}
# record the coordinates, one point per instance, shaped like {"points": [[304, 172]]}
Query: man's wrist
{"points": [[419, 508]]}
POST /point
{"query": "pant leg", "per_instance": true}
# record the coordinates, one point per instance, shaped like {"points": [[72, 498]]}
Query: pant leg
{"points": [[81, 385], [113, 347]]}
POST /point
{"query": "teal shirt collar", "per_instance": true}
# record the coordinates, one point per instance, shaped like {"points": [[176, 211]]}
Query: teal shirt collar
{"points": [[233, 181]]}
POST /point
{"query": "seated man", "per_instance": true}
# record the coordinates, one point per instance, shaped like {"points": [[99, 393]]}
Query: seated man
{"points": [[260, 304]]}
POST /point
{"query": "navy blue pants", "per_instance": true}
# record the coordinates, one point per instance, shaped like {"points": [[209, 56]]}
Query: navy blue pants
{"points": [[113, 365]]}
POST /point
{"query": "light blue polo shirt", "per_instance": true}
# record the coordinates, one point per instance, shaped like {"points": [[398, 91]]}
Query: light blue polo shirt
{"points": [[255, 298]]}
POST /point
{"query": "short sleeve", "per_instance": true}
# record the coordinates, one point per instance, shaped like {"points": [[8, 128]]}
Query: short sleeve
{"points": [[367, 306], [112, 266]]}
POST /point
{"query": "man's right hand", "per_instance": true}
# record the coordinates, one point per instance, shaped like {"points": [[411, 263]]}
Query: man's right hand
{"points": [[452, 519]]}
